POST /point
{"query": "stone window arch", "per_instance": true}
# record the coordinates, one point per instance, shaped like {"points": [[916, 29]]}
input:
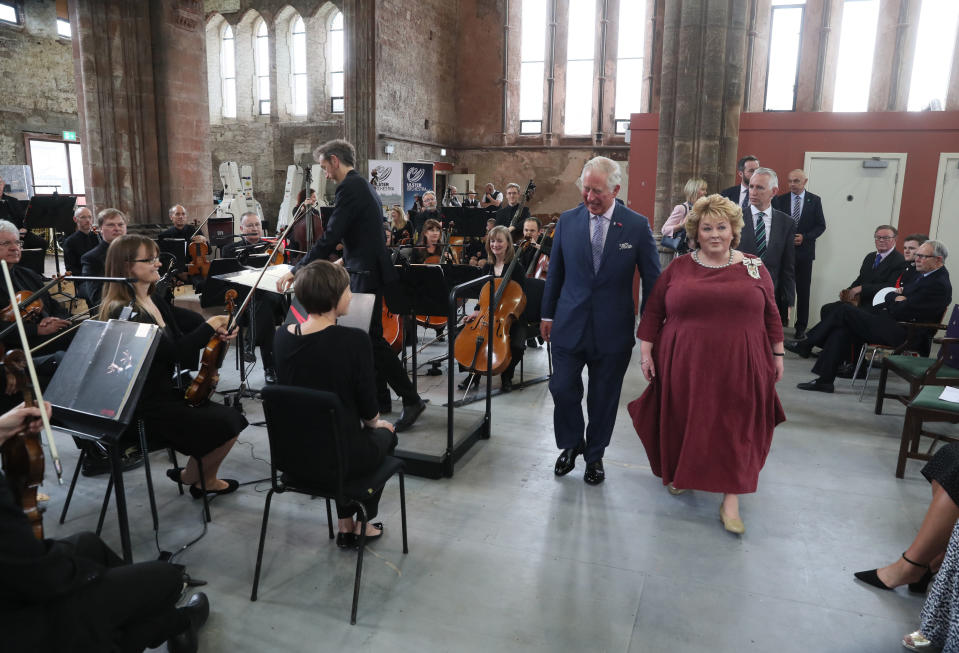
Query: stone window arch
{"points": [[319, 73], [216, 29], [292, 71], [261, 69]]}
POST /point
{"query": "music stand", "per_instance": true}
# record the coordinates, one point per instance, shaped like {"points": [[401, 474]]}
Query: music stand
{"points": [[467, 221], [51, 212], [95, 391], [421, 290], [176, 247]]}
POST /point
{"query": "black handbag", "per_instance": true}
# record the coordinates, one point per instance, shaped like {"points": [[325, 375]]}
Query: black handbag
{"points": [[677, 242]]}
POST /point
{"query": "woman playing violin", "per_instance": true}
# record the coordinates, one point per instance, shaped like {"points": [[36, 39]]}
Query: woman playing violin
{"points": [[400, 227], [206, 432], [430, 249]]}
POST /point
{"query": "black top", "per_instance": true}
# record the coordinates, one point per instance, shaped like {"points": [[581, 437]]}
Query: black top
{"points": [[229, 250], [26, 279], [518, 275], [92, 264], [75, 246], [11, 210], [186, 233], [401, 233], [338, 360], [504, 216], [357, 222]]}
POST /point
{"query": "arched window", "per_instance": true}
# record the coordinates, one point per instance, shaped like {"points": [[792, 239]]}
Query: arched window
{"points": [[298, 66], [629, 62], [337, 104], [857, 43], [580, 54], [935, 43], [228, 72], [261, 63], [532, 66]]}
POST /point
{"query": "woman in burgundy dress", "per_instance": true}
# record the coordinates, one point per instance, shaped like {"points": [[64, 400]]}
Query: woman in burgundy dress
{"points": [[712, 351]]}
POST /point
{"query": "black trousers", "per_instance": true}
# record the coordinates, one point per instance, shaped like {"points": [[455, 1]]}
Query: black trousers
{"points": [[367, 452], [389, 369], [846, 327], [803, 284]]}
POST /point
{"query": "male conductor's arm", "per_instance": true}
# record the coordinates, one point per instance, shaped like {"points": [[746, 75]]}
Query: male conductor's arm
{"points": [[325, 244]]}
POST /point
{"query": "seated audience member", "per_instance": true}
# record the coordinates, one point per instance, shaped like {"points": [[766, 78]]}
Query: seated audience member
{"points": [[492, 197], [939, 620], [879, 270], [112, 224], [916, 566], [75, 594], [923, 299], [471, 202], [80, 241], [693, 190], [206, 432], [321, 355], [910, 246], [451, 198]]}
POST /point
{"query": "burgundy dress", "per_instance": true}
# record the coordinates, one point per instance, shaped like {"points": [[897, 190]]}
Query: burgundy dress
{"points": [[708, 416]]}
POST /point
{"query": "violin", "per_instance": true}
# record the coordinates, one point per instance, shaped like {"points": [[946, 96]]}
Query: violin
{"points": [[23, 460], [199, 264], [539, 265], [202, 387], [29, 308]]}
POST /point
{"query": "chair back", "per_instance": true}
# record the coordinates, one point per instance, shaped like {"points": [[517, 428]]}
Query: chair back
{"points": [[534, 300], [950, 354], [305, 433]]}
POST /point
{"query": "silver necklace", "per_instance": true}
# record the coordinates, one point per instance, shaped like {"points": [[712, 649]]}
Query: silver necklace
{"points": [[713, 267]]}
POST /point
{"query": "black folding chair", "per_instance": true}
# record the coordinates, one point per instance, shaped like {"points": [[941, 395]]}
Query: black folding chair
{"points": [[308, 456]]}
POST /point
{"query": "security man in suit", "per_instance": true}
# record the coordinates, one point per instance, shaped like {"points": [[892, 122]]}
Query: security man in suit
{"points": [[770, 234], [739, 193], [923, 299], [357, 222], [588, 312], [805, 209]]}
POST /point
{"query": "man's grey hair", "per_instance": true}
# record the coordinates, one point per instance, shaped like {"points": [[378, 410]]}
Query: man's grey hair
{"points": [[342, 150], [253, 213], [10, 228], [175, 207], [603, 166], [938, 248], [773, 178], [81, 209]]}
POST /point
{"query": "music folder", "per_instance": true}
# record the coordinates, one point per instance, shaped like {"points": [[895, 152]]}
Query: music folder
{"points": [[359, 316]]}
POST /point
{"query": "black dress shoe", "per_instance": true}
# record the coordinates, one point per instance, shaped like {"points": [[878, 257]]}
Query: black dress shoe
{"points": [[802, 348], [231, 486], [532, 343], [346, 540], [506, 385], [409, 415], [567, 460], [197, 610], [817, 385], [269, 375], [595, 474], [95, 464], [799, 334], [847, 370], [467, 382], [369, 538]]}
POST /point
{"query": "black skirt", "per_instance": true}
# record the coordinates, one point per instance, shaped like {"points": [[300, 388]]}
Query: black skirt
{"points": [[944, 468], [195, 431]]}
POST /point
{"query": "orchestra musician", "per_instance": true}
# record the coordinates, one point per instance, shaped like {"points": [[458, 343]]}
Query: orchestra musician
{"points": [[431, 248], [269, 308], [400, 227], [112, 224], [531, 231], [80, 241], [76, 594], [357, 222], [476, 247], [181, 231], [492, 197], [504, 216], [205, 432]]}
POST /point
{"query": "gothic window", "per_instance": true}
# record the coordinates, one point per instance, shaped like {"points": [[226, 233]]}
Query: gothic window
{"points": [[629, 62], [580, 49], [785, 33], [337, 103], [261, 63], [532, 66], [298, 66], [228, 72], [935, 46], [857, 43]]}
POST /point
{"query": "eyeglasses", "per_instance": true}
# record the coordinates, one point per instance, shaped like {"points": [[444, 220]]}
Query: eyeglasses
{"points": [[145, 260], [884, 237], [924, 256], [10, 243]]}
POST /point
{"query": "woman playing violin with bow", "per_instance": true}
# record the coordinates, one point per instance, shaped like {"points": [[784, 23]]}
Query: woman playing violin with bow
{"points": [[205, 432], [400, 227]]}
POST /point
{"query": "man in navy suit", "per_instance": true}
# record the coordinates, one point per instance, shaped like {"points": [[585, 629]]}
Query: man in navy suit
{"points": [[769, 234], [589, 315], [923, 299], [739, 193], [805, 209]]}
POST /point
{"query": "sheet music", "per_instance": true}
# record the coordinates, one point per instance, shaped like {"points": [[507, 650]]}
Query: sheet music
{"points": [[950, 394], [248, 277]]}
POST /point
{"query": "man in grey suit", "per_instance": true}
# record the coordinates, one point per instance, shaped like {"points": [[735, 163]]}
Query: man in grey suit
{"points": [[770, 234]]}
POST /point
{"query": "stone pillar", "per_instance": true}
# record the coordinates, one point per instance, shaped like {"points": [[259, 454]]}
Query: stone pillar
{"points": [[359, 22], [140, 72], [703, 75]]}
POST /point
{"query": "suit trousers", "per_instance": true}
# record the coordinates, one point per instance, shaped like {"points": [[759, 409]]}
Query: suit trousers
{"points": [[389, 369], [846, 327], [606, 372], [803, 284]]}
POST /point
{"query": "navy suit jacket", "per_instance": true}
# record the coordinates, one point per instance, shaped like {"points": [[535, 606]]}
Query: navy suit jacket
{"points": [[780, 255], [576, 297], [812, 222], [732, 194], [926, 298], [873, 280]]}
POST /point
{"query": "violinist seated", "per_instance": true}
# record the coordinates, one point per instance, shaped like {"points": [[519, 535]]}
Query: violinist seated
{"points": [[112, 224], [321, 355], [181, 231], [50, 318], [207, 431], [430, 248], [270, 308], [400, 227], [499, 248], [80, 241], [530, 247]]}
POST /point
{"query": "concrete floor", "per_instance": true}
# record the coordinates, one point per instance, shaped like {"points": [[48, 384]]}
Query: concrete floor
{"points": [[505, 556]]}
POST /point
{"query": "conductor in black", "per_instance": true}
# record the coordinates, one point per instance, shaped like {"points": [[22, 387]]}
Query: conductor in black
{"points": [[357, 222]]}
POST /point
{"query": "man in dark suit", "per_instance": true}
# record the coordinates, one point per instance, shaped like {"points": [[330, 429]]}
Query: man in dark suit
{"points": [[769, 234], [357, 222], [588, 313], [112, 224], [805, 209], [740, 192], [879, 270], [923, 299], [80, 241]]}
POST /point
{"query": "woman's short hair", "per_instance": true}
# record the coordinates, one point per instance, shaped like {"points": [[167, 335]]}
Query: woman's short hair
{"points": [[692, 188], [319, 286], [715, 206], [500, 230]]}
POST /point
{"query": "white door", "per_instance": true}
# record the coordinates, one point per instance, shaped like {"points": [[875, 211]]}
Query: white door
{"points": [[945, 210], [855, 199]]}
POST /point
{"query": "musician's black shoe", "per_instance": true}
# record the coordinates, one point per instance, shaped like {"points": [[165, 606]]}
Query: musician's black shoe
{"points": [[466, 383], [269, 375], [800, 333], [409, 415], [532, 343], [567, 460], [595, 474], [249, 353], [197, 610], [95, 464], [848, 369], [506, 385]]}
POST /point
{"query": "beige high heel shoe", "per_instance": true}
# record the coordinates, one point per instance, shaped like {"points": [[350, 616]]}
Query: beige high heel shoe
{"points": [[732, 524]]}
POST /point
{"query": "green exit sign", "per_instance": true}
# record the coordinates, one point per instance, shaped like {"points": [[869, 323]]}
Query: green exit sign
{"points": [[69, 136]]}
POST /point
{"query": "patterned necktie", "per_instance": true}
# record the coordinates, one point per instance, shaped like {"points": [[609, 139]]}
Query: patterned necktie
{"points": [[597, 241], [745, 203], [796, 208], [760, 234]]}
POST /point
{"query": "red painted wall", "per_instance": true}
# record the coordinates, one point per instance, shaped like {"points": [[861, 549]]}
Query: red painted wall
{"points": [[781, 140]]}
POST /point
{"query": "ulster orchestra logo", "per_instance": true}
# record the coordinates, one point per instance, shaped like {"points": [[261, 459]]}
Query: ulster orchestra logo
{"points": [[379, 175], [413, 175]]}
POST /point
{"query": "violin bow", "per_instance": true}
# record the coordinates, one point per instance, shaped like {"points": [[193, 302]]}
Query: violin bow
{"points": [[203, 224], [48, 431]]}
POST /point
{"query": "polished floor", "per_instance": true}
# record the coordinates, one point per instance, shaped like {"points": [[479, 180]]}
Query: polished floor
{"points": [[505, 556]]}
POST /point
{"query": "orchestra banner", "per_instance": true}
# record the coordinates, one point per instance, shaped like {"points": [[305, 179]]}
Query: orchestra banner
{"points": [[386, 178], [417, 179]]}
